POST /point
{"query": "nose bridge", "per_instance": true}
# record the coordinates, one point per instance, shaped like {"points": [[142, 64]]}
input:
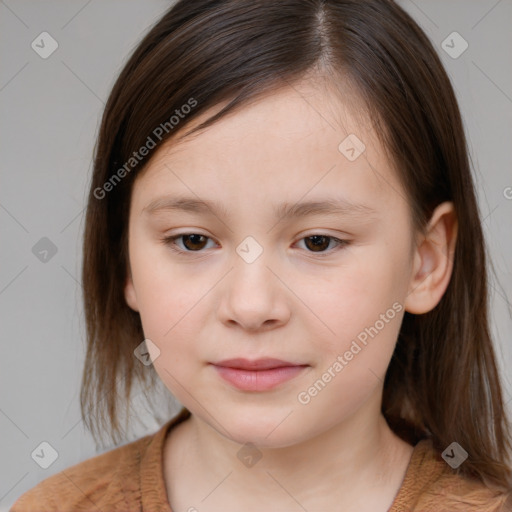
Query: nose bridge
{"points": [[252, 297], [249, 250], [250, 266]]}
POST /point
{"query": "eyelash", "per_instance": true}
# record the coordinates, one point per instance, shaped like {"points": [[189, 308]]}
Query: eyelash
{"points": [[170, 241]]}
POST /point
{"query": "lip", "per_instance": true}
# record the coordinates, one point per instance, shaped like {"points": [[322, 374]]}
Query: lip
{"points": [[264, 363], [257, 375]]}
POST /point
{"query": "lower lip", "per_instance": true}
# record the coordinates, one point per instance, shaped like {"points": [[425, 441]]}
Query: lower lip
{"points": [[258, 380]]}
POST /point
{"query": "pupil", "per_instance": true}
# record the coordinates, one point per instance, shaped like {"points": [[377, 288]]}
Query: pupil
{"points": [[318, 240], [193, 237]]}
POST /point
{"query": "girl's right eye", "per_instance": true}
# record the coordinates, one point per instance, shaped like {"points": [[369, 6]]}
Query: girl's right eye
{"points": [[193, 242]]}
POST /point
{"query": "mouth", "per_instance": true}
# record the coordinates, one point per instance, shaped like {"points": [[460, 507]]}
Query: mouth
{"points": [[257, 375]]}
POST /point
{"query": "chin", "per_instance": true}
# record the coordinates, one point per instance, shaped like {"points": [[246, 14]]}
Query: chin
{"points": [[264, 432]]}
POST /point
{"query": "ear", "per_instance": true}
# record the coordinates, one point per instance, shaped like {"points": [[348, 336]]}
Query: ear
{"points": [[433, 261], [129, 293]]}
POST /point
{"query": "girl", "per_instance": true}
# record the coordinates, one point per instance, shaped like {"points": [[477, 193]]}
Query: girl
{"points": [[282, 226]]}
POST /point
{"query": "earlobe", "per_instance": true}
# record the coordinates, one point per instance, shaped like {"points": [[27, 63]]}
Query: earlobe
{"points": [[433, 261], [130, 295]]}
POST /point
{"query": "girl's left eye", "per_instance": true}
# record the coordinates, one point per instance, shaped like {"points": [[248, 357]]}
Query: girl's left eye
{"points": [[194, 242]]}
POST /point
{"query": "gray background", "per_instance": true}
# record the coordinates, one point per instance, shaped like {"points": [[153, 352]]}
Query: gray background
{"points": [[50, 110]]}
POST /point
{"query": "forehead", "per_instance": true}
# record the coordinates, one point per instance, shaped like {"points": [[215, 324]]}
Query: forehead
{"points": [[289, 142], [311, 109]]}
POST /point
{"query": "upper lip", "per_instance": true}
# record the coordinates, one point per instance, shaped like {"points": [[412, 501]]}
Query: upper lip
{"points": [[255, 364]]}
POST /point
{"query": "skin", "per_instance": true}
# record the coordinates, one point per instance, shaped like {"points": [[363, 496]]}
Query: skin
{"points": [[337, 451]]}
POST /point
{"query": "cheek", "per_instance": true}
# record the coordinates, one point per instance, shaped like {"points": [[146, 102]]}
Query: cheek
{"points": [[170, 308], [166, 297], [352, 299], [362, 305]]}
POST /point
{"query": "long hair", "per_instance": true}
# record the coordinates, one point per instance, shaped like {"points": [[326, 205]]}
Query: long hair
{"points": [[442, 381]]}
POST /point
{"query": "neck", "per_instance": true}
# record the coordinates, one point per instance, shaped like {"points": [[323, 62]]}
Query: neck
{"points": [[333, 467]]}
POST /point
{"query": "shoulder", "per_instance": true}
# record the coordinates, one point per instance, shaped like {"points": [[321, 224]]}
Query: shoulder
{"points": [[110, 479], [458, 493], [431, 485]]}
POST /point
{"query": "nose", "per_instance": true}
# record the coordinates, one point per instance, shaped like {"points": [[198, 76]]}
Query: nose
{"points": [[253, 297]]}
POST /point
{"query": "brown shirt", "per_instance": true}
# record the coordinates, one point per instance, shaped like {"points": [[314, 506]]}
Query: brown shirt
{"points": [[130, 478]]}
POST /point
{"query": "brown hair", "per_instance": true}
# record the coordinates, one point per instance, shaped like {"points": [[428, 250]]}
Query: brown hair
{"points": [[442, 381]]}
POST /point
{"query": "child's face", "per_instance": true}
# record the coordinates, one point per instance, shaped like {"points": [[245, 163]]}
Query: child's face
{"points": [[302, 300]]}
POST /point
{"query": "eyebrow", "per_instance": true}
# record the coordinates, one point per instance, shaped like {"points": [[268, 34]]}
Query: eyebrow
{"points": [[283, 211]]}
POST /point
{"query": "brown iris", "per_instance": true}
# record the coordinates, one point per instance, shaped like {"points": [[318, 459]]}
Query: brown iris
{"points": [[195, 242], [318, 242]]}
